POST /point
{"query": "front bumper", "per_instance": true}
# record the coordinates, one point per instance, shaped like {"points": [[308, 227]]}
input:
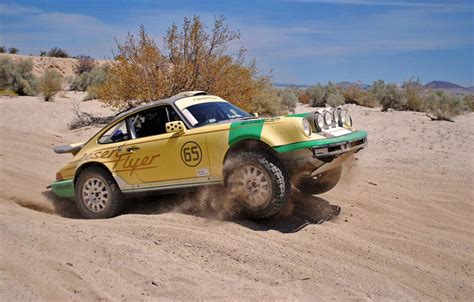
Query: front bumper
{"points": [[329, 146], [63, 188]]}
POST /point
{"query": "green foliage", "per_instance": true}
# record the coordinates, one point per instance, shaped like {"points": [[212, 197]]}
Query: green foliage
{"points": [[57, 53], [414, 95], [13, 50], [335, 99], [8, 92], [3, 49], [84, 64], [468, 101], [49, 84], [90, 81], [17, 76], [288, 99], [441, 106], [390, 96], [266, 101], [317, 95]]}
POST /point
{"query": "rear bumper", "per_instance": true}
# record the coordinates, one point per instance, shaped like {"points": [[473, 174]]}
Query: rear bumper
{"points": [[63, 188]]}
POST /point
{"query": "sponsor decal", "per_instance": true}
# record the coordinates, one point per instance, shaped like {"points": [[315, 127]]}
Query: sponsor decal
{"points": [[123, 162], [202, 172]]}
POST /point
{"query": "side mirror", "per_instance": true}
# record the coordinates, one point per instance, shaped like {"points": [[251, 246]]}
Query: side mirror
{"points": [[255, 114], [175, 127]]}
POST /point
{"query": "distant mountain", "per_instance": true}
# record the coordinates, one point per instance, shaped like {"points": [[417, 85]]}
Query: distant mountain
{"points": [[346, 84], [449, 87], [287, 85]]}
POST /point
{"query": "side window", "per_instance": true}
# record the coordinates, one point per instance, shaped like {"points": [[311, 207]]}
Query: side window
{"points": [[115, 134], [152, 121]]}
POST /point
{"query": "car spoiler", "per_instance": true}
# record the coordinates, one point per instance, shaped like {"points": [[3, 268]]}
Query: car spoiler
{"points": [[72, 148]]}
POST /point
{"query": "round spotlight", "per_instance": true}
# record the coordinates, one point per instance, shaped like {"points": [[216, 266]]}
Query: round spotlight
{"points": [[306, 127], [318, 121], [346, 118], [337, 116], [327, 118]]}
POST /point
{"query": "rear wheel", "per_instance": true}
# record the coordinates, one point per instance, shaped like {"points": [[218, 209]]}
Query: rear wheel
{"points": [[258, 183], [97, 194], [319, 183]]}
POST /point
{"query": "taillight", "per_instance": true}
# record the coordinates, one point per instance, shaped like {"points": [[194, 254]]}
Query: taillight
{"points": [[59, 176]]}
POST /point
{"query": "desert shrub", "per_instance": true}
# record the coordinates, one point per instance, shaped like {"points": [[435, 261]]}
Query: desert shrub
{"points": [[49, 84], [468, 102], [414, 95], [389, 96], [57, 53], [91, 81], [440, 106], [8, 92], [13, 50], [303, 97], [17, 76], [356, 95], [288, 99], [84, 64], [191, 58], [317, 95], [266, 101], [335, 99], [3, 49]]}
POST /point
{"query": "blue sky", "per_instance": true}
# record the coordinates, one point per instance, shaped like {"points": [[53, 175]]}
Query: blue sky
{"points": [[303, 42]]}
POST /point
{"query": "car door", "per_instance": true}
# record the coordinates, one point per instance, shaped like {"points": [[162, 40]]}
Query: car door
{"points": [[157, 159]]}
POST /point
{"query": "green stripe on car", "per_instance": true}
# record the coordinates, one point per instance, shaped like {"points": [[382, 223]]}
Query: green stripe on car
{"points": [[244, 130], [356, 135], [63, 188]]}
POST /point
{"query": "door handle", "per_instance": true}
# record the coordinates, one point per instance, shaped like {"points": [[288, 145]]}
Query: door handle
{"points": [[132, 149]]}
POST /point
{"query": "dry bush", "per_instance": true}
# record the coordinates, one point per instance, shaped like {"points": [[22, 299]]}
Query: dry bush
{"points": [[288, 99], [49, 84], [440, 106], [304, 98], [17, 76], [57, 53], [335, 99], [468, 101], [13, 50], [83, 119], [191, 58], [414, 95], [266, 101], [84, 64]]}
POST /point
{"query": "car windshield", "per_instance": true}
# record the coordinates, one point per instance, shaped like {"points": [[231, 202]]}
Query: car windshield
{"points": [[213, 112]]}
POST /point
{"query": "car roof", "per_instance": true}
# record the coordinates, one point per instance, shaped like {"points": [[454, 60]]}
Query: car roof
{"points": [[168, 101]]}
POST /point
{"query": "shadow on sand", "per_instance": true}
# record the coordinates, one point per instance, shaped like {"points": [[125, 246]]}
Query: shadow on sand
{"points": [[301, 211]]}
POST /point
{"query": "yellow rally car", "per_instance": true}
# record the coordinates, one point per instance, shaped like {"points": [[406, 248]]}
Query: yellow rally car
{"points": [[195, 139]]}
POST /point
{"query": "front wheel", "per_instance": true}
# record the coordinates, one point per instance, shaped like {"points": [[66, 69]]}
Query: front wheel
{"points": [[257, 182], [97, 194], [320, 183]]}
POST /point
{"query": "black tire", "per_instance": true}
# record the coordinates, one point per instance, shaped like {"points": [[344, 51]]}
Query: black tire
{"points": [[276, 178], [319, 184], [115, 200]]}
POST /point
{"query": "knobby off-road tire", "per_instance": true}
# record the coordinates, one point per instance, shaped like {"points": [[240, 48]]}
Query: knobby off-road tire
{"points": [[258, 182], [320, 183], [97, 194]]}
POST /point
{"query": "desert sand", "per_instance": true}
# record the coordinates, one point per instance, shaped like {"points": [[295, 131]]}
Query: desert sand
{"points": [[405, 230]]}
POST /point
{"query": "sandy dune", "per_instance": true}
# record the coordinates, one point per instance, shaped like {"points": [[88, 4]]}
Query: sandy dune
{"points": [[405, 231]]}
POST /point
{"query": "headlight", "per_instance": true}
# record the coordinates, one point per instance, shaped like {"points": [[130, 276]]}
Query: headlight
{"points": [[306, 127], [327, 118], [346, 119], [318, 121]]}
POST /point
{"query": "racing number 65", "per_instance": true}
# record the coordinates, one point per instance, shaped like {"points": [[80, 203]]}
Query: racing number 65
{"points": [[191, 154]]}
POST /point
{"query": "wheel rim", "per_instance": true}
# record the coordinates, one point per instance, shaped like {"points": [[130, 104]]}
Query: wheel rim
{"points": [[95, 194], [253, 186]]}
